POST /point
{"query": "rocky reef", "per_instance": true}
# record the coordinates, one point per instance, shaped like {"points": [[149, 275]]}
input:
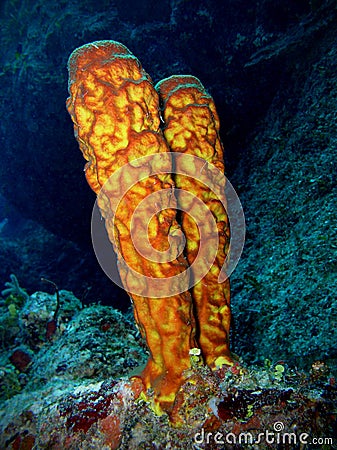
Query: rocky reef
{"points": [[72, 390]]}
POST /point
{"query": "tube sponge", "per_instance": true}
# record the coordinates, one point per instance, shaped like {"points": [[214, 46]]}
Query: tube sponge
{"points": [[115, 110], [117, 123], [192, 127]]}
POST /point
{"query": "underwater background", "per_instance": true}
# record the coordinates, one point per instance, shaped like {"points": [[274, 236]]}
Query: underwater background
{"points": [[271, 67]]}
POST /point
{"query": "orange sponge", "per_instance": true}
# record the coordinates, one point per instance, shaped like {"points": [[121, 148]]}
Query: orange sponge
{"points": [[115, 110], [192, 127], [130, 162]]}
